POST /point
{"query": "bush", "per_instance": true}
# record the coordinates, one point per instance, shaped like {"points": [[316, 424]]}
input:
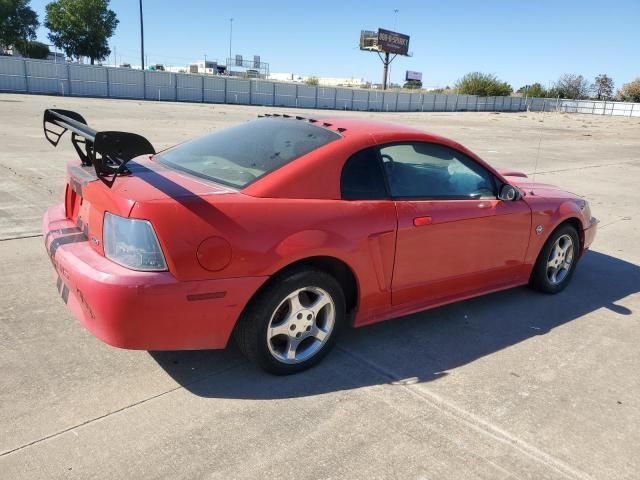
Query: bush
{"points": [[630, 92], [413, 84], [482, 84], [535, 90], [313, 81]]}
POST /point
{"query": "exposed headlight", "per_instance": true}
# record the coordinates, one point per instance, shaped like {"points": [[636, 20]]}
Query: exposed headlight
{"points": [[132, 243]]}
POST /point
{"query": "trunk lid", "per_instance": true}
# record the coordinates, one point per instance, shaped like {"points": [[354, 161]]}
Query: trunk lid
{"points": [[87, 198]]}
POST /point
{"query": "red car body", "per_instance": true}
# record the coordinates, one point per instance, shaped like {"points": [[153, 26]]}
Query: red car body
{"points": [[221, 244]]}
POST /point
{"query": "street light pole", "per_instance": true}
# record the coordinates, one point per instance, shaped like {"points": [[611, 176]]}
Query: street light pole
{"points": [[141, 38], [230, 37], [395, 26]]}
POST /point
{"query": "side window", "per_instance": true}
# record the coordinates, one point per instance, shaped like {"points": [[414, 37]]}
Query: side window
{"points": [[432, 171], [362, 177]]}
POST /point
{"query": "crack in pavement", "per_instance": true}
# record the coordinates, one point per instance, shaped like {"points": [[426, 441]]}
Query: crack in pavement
{"points": [[20, 237], [620, 219], [122, 409], [473, 421], [582, 167]]}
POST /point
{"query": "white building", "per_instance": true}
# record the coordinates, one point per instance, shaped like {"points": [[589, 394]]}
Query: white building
{"points": [[328, 81], [201, 66], [286, 77], [342, 81]]}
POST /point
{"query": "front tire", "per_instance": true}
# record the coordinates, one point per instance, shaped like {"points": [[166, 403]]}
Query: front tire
{"points": [[293, 321], [557, 261]]}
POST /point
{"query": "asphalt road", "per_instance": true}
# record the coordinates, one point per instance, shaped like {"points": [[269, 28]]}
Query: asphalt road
{"points": [[512, 385]]}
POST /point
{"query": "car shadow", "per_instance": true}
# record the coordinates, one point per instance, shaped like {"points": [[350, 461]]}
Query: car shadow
{"points": [[417, 348]]}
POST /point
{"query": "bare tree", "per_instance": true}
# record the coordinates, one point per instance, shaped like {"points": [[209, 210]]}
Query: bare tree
{"points": [[572, 86], [602, 87]]}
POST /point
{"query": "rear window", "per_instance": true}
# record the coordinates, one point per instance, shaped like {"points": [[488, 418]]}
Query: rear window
{"points": [[239, 155]]}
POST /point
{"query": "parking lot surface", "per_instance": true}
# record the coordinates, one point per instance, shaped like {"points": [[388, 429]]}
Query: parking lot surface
{"points": [[516, 384]]}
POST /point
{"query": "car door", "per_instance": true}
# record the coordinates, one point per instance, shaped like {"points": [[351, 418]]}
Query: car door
{"points": [[454, 236]]}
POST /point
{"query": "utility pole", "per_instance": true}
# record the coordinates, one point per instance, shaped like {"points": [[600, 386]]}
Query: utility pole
{"points": [[141, 38]]}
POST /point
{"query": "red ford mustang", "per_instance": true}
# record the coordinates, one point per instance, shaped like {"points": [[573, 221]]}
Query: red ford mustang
{"points": [[282, 230]]}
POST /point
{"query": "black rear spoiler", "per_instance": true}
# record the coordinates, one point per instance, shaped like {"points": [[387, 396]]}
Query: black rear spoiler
{"points": [[108, 152]]}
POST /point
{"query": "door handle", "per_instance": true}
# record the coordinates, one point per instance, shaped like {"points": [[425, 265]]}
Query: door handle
{"points": [[421, 221]]}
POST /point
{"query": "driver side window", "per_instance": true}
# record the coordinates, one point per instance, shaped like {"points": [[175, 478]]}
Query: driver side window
{"points": [[432, 171]]}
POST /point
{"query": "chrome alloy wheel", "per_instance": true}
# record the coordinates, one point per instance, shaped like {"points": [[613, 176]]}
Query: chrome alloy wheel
{"points": [[560, 259], [301, 324]]}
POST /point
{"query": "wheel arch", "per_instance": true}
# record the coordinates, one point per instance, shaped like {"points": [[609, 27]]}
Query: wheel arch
{"points": [[576, 223], [334, 266]]}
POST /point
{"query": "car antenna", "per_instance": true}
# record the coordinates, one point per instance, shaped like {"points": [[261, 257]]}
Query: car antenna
{"points": [[535, 168]]}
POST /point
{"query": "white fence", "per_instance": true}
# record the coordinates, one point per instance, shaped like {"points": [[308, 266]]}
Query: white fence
{"points": [[44, 77]]}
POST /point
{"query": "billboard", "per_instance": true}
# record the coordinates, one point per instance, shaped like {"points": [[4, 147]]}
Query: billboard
{"points": [[411, 75], [368, 40], [393, 42]]}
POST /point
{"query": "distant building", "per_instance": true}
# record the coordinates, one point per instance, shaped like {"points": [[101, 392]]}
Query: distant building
{"points": [[342, 81], [287, 77], [57, 57], [172, 69], [204, 67], [328, 81]]}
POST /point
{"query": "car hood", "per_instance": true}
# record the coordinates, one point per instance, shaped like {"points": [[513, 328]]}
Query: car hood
{"points": [[535, 189]]}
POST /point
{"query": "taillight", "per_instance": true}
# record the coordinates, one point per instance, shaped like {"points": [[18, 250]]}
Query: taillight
{"points": [[132, 243]]}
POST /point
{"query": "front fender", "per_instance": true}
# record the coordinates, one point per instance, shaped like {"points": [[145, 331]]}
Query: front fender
{"points": [[548, 215]]}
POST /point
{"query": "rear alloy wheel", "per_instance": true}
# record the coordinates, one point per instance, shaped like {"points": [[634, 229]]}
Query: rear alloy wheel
{"points": [[557, 261], [301, 325], [292, 323]]}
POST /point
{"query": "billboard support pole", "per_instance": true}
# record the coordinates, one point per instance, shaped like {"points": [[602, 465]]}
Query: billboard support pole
{"points": [[386, 70], [386, 61]]}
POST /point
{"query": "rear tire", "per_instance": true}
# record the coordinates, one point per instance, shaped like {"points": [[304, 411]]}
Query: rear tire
{"points": [[557, 261], [292, 323]]}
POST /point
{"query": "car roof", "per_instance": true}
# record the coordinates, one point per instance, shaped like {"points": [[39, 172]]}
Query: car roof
{"points": [[354, 125], [351, 128], [293, 180]]}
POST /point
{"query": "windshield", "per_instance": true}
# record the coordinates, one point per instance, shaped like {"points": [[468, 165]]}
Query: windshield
{"points": [[239, 155]]}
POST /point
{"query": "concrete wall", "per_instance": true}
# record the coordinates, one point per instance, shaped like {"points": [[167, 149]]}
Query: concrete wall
{"points": [[45, 77]]}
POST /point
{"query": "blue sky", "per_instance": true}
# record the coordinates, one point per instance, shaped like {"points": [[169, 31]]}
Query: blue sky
{"points": [[520, 42]]}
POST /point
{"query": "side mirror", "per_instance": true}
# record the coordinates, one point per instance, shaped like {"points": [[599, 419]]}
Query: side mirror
{"points": [[509, 193]]}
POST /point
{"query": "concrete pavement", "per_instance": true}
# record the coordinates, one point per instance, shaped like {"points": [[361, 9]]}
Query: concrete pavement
{"points": [[512, 385]]}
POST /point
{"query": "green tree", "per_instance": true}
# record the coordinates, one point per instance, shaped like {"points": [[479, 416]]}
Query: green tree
{"points": [[413, 84], [630, 92], [533, 90], [602, 87], [34, 50], [18, 22], [482, 84], [81, 28]]}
